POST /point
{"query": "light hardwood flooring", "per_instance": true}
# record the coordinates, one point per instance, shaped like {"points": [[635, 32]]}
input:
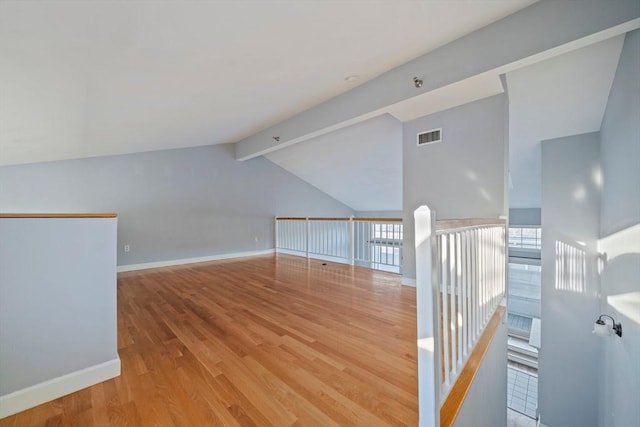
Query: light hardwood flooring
{"points": [[262, 341]]}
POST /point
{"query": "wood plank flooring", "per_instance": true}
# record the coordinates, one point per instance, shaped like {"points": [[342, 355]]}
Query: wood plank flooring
{"points": [[262, 341]]}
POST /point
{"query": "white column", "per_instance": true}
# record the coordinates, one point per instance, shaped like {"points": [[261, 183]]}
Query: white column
{"points": [[427, 318], [275, 234]]}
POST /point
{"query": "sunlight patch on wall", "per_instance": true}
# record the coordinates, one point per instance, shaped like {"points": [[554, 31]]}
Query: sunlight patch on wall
{"points": [[623, 242], [626, 304], [571, 268]]}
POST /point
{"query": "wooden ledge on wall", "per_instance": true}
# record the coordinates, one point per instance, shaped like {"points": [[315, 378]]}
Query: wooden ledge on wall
{"points": [[58, 215]]}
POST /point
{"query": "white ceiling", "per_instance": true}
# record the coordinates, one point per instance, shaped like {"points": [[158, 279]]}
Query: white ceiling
{"points": [[360, 165], [80, 79], [563, 96]]}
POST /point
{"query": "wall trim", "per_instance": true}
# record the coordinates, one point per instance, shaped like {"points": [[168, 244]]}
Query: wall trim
{"points": [[46, 391], [539, 422], [168, 263], [407, 281]]}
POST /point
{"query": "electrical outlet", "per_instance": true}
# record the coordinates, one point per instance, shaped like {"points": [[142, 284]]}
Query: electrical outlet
{"points": [[127, 248], [255, 238]]}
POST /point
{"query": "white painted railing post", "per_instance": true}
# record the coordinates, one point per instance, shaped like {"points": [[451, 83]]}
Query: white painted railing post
{"points": [[352, 237], [307, 234], [275, 234], [427, 318]]}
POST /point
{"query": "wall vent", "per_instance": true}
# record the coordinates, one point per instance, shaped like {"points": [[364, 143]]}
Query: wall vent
{"points": [[430, 137]]}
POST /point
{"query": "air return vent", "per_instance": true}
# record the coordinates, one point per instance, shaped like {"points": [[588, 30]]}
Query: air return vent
{"points": [[430, 137]]}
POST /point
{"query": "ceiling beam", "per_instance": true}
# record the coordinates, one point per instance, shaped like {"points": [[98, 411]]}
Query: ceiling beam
{"points": [[548, 26]]}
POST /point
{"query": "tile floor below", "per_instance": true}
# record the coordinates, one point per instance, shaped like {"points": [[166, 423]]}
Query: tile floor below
{"points": [[516, 419], [522, 391]]}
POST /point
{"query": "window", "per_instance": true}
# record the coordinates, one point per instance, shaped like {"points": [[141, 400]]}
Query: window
{"points": [[525, 237], [389, 234], [386, 246]]}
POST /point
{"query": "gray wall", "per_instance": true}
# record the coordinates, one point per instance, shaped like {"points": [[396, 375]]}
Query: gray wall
{"points": [[620, 135], [569, 354], [379, 214], [619, 225], [171, 204], [460, 177], [483, 408], [524, 216], [57, 298]]}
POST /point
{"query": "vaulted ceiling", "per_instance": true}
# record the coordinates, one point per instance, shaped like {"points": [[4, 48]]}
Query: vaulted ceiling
{"points": [[84, 79], [361, 165], [81, 79]]}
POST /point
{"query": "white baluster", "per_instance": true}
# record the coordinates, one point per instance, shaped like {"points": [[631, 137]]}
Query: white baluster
{"points": [[465, 287], [453, 301], [459, 298], [444, 322]]}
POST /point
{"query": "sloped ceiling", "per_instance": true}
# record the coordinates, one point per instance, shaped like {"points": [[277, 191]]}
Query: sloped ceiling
{"points": [[80, 79], [360, 165], [563, 96]]}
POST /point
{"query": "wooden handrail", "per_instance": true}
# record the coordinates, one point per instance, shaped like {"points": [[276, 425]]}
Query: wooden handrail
{"points": [[58, 215], [291, 218], [452, 224], [329, 219], [379, 219], [300, 218], [443, 224], [454, 401]]}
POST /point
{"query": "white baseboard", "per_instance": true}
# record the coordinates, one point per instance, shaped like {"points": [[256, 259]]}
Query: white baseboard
{"points": [[46, 391], [144, 266], [407, 281]]}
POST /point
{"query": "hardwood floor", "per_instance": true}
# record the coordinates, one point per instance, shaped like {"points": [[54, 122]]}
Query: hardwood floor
{"points": [[262, 341]]}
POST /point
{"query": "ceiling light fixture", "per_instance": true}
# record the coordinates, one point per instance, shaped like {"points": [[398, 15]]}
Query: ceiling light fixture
{"points": [[417, 82]]}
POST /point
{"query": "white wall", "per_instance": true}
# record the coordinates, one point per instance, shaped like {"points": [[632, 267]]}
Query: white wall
{"points": [[172, 204], [620, 241], [57, 307], [569, 354], [461, 177]]}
